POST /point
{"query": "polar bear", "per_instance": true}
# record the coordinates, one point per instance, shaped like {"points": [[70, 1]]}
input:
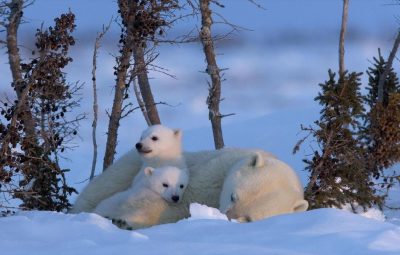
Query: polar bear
{"points": [[208, 172], [158, 146], [260, 187], [144, 201]]}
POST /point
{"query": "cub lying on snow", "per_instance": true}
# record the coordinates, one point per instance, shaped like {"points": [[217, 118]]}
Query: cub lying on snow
{"points": [[145, 201]]}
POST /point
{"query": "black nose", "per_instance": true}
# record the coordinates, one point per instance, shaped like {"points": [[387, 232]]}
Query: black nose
{"points": [[175, 198], [138, 146]]}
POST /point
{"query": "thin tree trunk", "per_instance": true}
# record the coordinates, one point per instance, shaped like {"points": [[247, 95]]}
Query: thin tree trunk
{"points": [[95, 105], [14, 20], [144, 85], [122, 70], [214, 96], [140, 101], [95, 112], [12, 45], [116, 112], [341, 40], [389, 64]]}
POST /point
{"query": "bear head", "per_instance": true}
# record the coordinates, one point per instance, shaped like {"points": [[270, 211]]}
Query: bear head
{"points": [[251, 192], [158, 141], [170, 182]]}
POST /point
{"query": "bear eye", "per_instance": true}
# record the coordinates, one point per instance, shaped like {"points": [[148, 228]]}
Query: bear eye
{"points": [[181, 186], [165, 185], [154, 138]]}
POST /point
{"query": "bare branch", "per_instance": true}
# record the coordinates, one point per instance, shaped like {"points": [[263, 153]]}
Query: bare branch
{"points": [[341, 39], [296, 148], [217, 3], [95, 105], [213, 70], [257, 4], [227, 115], [226, 22], [128, 109]]}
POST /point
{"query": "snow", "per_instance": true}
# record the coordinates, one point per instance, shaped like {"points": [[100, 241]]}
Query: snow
{"points": [[207, 231], [371, 213], [322, 231], [198, 212]]}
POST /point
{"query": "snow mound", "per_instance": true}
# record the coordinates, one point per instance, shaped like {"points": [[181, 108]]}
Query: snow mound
{"points": [[371, 213], [322, 231], [199, 211]]}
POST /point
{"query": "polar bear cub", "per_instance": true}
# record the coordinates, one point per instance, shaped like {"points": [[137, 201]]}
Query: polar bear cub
{"points": [[159, 187], [159, 146]]}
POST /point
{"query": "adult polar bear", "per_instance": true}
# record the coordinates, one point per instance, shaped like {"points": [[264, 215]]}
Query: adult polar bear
{"points": [[208, 172]]}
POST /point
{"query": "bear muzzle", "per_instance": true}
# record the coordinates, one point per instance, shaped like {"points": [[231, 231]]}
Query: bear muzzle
{"points": [[141, 149], [233, 215], [175, 198]]}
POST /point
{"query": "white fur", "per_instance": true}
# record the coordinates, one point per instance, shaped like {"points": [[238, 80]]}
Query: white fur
{"points": [[169, 182], [165, 151], [160, 146], [208, 172], [145, 201], [260, 187]]}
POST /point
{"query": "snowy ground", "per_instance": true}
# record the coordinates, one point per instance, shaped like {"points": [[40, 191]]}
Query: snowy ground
{"points": [[325, 231]]}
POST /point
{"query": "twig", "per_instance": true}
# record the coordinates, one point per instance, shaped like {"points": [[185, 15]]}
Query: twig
{"points": [[301, 141], [95, 105], [257, 4]]}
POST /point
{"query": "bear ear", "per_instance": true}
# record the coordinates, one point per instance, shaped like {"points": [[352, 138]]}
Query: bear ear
{"points": [[234, 197], [148, 171], [300, 206], [178, 133], [257, 161]]}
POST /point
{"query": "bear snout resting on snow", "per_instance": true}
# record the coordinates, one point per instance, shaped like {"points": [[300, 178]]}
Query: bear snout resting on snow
{"points": [[144, 202]]}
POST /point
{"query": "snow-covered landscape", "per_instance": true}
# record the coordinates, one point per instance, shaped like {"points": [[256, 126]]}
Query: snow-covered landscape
{"points": [[322, 231], [271, 81]]}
